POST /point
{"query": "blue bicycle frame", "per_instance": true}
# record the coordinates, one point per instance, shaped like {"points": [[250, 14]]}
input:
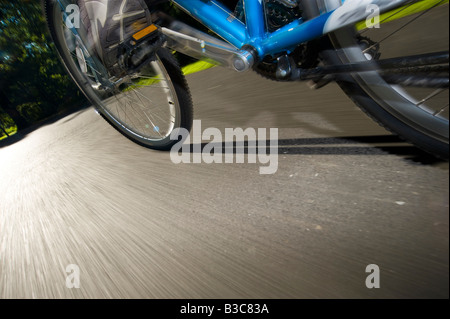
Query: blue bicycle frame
{"points": [[221, 20]]}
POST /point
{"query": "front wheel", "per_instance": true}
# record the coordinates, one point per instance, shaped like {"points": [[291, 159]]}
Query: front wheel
{"points": [[417, 114], [145, 106]]}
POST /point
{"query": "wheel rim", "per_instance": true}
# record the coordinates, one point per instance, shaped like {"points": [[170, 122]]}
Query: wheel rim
{"points": [[143, 105]]}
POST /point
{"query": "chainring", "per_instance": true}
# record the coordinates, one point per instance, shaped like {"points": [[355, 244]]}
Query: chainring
{"points": [[277, 16], [305, 56]]}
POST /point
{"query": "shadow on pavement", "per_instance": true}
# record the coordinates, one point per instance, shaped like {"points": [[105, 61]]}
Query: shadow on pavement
{"points": [[382, 145]]}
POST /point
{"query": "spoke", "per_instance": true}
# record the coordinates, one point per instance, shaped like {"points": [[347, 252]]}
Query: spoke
{"points": [[150, 86], [154, 114], [135, 112], [402, 27], [117, 107], [152, 102], [87, 62], [130, 102], [124, 109], [146, 97], [90, 65], [151, 78], [435, 93], [392, 15], [440, 111], [151, 122]]}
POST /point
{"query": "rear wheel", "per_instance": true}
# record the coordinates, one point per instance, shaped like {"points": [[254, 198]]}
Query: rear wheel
{"points": [[146, 106], [419, 115]]}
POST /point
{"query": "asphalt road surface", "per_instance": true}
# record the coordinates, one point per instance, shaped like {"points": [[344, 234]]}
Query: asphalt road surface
{"points": [[346, 194]]}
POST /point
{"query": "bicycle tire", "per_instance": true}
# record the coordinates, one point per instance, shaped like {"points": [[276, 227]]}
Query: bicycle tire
{"points": [[127, 107], [389, 105]]}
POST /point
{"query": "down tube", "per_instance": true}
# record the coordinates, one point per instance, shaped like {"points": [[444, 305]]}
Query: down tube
{"points": [[218, 18]]}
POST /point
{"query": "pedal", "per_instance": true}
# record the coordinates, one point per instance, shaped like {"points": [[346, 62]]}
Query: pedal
{"points": [[145, 33], [140, 48]]}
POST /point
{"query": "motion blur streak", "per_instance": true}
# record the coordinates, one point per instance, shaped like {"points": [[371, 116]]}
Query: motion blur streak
{"points": [[346, 195]]}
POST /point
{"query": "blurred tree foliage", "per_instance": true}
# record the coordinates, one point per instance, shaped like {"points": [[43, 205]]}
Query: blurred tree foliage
{"points": [[33, 83]]}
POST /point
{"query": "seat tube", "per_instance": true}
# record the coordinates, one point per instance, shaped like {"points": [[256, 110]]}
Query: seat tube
{"points": [[255, 19]]}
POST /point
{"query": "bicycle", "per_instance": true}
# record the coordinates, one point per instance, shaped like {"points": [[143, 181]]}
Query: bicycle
{"points": [[284, 40]]}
